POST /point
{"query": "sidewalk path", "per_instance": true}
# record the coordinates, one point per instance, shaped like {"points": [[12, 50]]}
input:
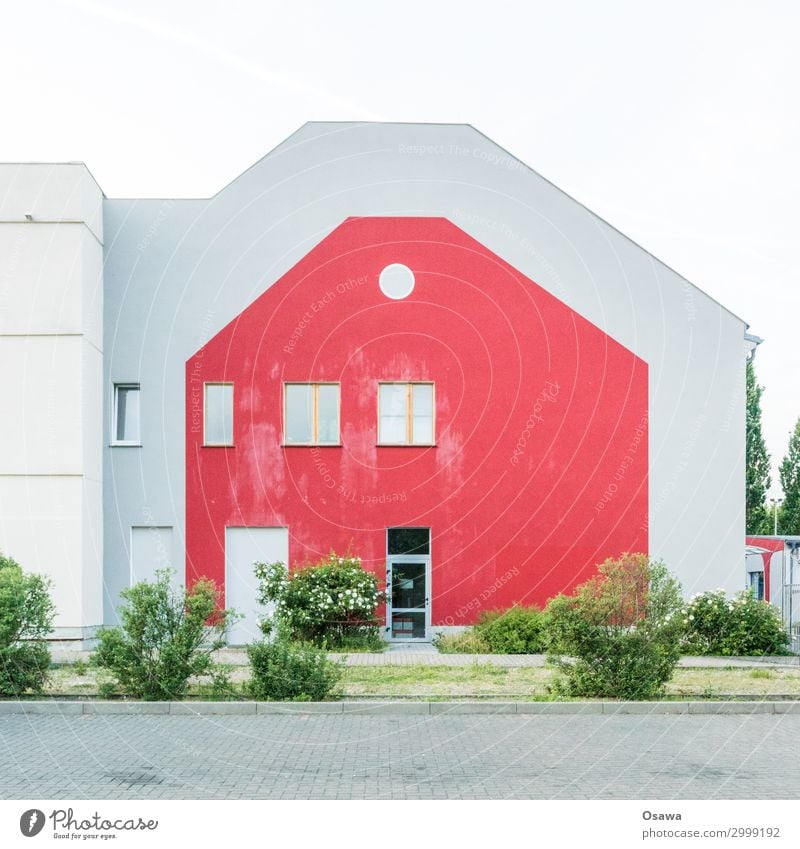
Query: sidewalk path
{"points": [[426, 655], [515, 661]]}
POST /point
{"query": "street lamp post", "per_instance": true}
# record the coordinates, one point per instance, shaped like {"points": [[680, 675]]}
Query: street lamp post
{"points": [[775, 502]]}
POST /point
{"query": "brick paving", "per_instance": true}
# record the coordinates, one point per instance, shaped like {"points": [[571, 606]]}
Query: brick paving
{"points": [[426, 654], [399, 757], [399, 654]]}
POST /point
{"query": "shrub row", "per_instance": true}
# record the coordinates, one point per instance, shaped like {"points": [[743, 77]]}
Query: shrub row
{"points": [[621, 633], [167, 636], [712, 625]]}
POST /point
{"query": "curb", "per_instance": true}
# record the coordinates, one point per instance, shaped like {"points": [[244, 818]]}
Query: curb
{"points": [[395, 708]]}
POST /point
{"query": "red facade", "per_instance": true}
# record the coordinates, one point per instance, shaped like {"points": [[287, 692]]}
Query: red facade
{"points": [[540, 465]]}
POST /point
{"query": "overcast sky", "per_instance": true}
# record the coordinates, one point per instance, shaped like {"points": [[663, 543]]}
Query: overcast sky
{"points": [[678, 122]]}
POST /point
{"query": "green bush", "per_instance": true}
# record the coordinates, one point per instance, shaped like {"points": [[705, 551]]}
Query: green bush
{"points": [[366, 638], [618, 635], [286, 671], [464, 642], [743, 625], [330, 603], [164, 639], [518, 630], [26, 618]]}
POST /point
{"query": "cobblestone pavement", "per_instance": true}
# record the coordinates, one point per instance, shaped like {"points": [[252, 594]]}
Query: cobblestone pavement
{"points": [[399, 757]]}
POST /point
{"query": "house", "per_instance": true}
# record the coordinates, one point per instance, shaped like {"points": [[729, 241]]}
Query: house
{"points": [[773, 573], [395, 339]]}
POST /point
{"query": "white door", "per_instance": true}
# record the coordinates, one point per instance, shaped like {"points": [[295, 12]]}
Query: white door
{"points": [[243, 548], [151, 549]]}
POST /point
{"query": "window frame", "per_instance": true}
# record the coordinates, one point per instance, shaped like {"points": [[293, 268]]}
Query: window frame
{"points": [[206, 384], [391, 528], [315, 443], [134, 443], [409, 442]]}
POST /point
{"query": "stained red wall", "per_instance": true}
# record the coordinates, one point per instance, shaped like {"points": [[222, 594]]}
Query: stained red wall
{"points": [[541, 463]]}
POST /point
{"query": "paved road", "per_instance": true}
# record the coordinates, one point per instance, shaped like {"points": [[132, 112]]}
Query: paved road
{"points": [[400, 757]]}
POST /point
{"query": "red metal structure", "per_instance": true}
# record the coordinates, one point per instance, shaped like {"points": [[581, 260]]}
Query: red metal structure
{"points": [[771, 546], [539, 464]]}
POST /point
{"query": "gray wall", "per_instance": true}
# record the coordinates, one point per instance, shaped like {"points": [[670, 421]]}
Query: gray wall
{"points": [[177, 271]]}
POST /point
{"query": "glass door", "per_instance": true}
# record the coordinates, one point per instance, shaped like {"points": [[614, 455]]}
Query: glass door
{"points": [[408, 604], [408, 571]]}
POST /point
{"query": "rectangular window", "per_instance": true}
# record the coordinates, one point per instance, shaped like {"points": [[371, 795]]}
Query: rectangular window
{"points": [[757, 584], [408, 541], [405, 414], [311, 414], [218, 417], [126, 414]]}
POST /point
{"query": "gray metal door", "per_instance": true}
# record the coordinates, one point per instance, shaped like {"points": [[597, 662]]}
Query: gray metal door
{"points": [[243, 548]]}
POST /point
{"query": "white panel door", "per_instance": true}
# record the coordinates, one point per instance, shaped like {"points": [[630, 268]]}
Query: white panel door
{"points": [[243, 548], [151, 549]]}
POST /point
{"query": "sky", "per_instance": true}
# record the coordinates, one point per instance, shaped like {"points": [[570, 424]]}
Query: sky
{"points": [[678, 122]]}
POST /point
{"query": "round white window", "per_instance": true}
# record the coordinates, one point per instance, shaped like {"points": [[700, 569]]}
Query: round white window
{"points": [[396, 281]]}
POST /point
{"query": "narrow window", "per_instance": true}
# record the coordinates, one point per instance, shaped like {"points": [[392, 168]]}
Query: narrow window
{"points": [[311, 414], [126, 414], [218, 418], [421, 413], [405, 414]]}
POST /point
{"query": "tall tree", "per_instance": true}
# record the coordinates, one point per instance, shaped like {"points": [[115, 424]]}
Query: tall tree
{"points": [[789, 515], [757, 520]]}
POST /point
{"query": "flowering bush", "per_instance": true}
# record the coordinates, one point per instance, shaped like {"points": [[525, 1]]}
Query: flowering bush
{"points": [[330, 603], [741, 625]]}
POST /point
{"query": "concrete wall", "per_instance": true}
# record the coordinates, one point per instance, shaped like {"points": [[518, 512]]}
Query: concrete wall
{"points": [[178, 271], [51, 366]]}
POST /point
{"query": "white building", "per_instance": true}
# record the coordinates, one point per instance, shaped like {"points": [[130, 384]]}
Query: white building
{"points": [[98, 295]]}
